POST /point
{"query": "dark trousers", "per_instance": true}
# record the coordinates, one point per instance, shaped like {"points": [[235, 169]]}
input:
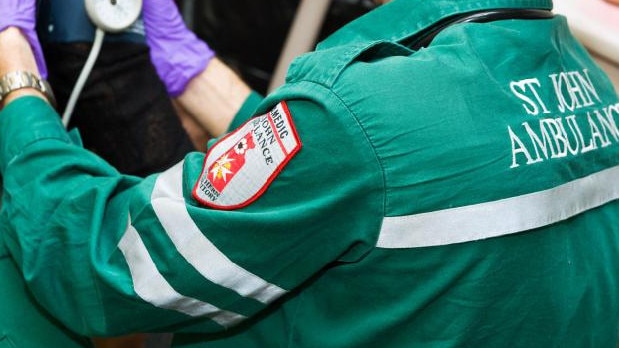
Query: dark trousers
{"points": [[124, 113]]}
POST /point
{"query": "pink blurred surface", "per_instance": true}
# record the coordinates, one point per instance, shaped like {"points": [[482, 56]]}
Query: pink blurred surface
{"points": [[595, 22], [602, 12]]}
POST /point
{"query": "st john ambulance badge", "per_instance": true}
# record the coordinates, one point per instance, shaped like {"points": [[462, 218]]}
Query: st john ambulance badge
{"points": [[240, 167]]}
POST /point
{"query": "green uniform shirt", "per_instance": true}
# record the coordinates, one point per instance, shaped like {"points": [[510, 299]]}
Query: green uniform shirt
{"points": [[23, 323], [459, 195]]}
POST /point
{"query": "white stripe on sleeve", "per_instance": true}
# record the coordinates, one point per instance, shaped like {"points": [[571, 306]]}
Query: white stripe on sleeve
{"points": [[152, 287], [502, 217], [169, 206]]}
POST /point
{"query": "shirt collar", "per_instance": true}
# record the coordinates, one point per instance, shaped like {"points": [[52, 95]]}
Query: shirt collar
{"points": [[400, 19]]}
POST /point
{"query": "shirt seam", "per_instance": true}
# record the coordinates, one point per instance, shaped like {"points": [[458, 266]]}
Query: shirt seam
{"points": [[372, 146]]}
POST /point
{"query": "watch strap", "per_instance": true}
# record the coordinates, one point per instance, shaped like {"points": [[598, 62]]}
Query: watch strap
{"points": [[15, 80]]}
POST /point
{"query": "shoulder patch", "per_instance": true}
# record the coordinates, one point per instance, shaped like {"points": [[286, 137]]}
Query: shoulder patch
{"points": [[240, 167]]}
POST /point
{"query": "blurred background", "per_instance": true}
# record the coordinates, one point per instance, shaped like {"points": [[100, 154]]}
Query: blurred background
{"points": [[250, 35], [596, 24]]}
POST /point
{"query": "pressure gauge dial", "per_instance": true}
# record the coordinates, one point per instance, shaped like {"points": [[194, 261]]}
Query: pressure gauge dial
{"points": [[113, 15]]}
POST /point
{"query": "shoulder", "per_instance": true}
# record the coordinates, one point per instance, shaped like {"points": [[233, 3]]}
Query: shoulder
{"points": [[326, 66]]}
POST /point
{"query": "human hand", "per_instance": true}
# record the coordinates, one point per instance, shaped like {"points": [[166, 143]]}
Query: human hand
{"points": [[21, 14], [177, 54]]}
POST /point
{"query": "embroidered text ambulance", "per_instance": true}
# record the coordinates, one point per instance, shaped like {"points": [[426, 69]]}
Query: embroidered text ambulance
{"points": [[579, 122]]}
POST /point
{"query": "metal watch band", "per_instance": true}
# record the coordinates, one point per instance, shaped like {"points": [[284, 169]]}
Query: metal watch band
{"points": [[15, 80]]}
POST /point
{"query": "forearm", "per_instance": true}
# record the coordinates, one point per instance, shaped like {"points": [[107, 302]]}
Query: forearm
{"points": [[16, 56], [214, 97], [206, 90], [36, 148]]}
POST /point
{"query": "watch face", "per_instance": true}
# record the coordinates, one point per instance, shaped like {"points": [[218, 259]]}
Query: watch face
{"points": [[113, 15]]}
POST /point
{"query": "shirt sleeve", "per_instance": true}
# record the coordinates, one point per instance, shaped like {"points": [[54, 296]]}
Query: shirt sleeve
{"points": [[109, 254], [247, 110]]}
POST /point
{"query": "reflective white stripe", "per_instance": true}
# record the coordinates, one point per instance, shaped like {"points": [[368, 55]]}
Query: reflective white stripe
{"points": [[169, 206], [502, 217], [152, 287]]}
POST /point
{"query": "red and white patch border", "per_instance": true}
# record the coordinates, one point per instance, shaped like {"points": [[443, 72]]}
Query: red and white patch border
{"points": [[277, 170]]}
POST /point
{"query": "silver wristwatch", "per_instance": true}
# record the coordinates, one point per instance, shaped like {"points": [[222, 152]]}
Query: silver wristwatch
{"points": [[23, 79]]}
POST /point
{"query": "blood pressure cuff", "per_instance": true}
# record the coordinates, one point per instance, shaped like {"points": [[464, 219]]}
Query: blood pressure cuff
{"points": [[67, 21]]}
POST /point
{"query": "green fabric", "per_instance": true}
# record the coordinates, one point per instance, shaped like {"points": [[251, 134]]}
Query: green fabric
{"points": [[23, 323], [246, 111], [386, 132]]}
